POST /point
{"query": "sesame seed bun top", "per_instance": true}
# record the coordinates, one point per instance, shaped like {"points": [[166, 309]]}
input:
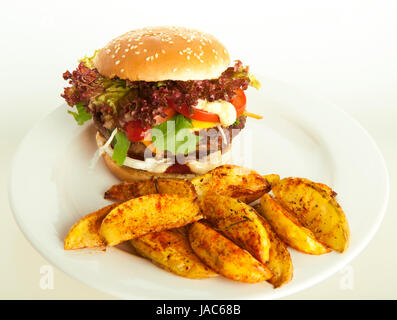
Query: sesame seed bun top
{"points": [[163, 53]]}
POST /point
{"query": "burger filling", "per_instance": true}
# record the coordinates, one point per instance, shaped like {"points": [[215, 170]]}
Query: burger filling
{"points": [[161, 119]]}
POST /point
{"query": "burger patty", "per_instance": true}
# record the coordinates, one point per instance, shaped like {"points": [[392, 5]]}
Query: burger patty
{"points": [[212, 140]]}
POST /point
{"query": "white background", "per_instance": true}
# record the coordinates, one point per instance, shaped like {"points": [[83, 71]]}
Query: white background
{"points": [[344, 51]]}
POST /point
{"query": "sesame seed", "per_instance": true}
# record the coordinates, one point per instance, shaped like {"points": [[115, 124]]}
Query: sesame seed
{"points": [[144, 50], [162, 51], [137, 52], [175, 69], [122, 70], [123, 56], [188, 57], [156, 55], [117, 62], [113, 56], [147, 58], [126, 50]]}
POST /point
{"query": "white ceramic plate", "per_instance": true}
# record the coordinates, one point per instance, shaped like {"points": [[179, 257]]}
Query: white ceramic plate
{"points": [[51, 188]]}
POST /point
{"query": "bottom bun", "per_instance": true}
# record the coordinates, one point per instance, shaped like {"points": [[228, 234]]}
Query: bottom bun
{"points": [[130, 174]]}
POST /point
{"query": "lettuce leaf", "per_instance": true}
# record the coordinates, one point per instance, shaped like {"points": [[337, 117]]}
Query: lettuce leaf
{"points": [[254, 82], [241, 72], [174, 135], [81, 115], [114, 90], [89, 61], [121, 147]]}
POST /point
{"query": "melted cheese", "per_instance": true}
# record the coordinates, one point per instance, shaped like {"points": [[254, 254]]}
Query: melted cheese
{"points": [[225, 110], [198, 125]]}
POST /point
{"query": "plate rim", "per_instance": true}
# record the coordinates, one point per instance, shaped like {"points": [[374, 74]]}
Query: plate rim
{"points": [[276, 294]]}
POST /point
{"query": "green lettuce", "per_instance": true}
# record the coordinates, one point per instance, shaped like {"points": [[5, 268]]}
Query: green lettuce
{"points": [[254, 82], [243, 72], [120, 148], [174, 135], [81, 115], [89, 61], [114, 90]]}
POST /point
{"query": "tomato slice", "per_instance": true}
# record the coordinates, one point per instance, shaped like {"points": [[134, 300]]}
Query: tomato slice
{"points": [[197, 114], [134, 131], [239, 102]]}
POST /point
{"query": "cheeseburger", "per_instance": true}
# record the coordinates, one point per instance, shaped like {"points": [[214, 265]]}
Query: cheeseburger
{"points": [[165, 101]]}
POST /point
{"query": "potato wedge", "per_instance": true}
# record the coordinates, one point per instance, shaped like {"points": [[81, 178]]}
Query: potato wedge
{"points": [[171, 251], [272, 179], [239, 222], [288, 228], [232, 181], [225, 257], [316, 209], [85, 233], [129, 190], [280, 263], [151, 213], [176, 186], [326, 188]]}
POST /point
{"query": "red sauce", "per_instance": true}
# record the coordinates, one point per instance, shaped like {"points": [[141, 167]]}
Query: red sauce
{"points": [[178, 168]]}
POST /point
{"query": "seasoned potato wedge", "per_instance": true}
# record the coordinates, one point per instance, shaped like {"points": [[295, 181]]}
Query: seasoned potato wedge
{"points": [[129, 190], [280, 263], [171, 251], [288, 228], [239, 222], [272, 179], [316, 208], [85, 233], [326, 188], [151, 213], [176, 186], [232, 181], [225, 257]]}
